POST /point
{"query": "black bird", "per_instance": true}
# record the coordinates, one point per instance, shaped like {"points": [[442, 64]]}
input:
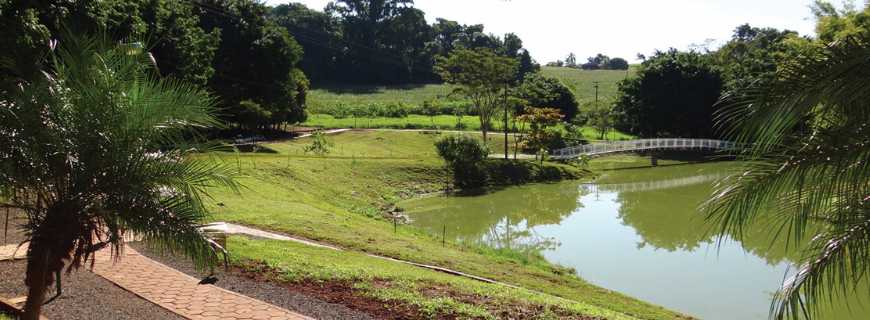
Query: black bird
{"points": [[211, 279]]}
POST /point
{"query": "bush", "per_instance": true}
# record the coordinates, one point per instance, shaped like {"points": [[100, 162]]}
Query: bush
{"points": [[464, 156]]}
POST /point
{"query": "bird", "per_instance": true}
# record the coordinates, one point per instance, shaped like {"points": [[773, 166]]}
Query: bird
{"points": [[210, 279]]}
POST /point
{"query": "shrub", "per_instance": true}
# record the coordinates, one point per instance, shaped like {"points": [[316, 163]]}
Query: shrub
{"points": [[464, 156]]}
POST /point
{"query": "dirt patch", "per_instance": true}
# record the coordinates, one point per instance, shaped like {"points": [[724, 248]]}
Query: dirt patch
{"points": [[336, 292]]}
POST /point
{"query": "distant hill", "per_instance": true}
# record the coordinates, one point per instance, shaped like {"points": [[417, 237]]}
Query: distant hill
{"points": [[582, 81]]}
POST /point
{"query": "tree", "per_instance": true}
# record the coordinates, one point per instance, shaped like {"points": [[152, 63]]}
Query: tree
{"points": [[257, 61], [464, 155], [833, 24], [318, 33], [320, 145], [527, 65], [373, 44], [540, 90], [617, 64], [482, 76], [753, 53], [94, 150], [185, 50], [540, 120], [597, 62], [571, 61], [673, 95], [807, 160], [600, 117]]}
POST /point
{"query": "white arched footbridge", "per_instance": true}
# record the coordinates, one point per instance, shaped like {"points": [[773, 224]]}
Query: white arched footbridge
{"points": [[604, 148]]}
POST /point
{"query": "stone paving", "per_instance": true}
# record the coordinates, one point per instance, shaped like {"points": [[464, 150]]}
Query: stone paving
{"points": [[181, 293], [7, 252]]}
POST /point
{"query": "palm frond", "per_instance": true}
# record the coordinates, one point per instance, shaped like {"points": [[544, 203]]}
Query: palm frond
{"points": [[808, 167]]}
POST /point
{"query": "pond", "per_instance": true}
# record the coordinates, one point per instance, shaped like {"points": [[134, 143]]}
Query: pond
{"points": [[635, 231]]}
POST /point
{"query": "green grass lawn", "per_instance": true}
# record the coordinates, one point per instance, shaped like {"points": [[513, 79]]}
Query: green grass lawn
{"points": [[582, 82], [434, 294], [415, 95], [339, 199]]}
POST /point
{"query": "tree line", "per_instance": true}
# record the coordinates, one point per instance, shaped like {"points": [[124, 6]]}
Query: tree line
{"points": [[675, 93], [384, 41], [258, 61], [598, 62]]}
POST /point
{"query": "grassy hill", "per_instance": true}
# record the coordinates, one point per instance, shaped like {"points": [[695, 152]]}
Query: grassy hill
{"points": [[340, 199], [329, 105], [582, 81], [325, 97]]}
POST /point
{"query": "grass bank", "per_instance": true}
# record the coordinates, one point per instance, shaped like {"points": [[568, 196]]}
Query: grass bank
{"points": [[340, 198]]}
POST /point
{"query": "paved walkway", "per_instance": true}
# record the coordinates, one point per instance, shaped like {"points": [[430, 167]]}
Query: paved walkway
{"points": [[174, 290], [12, 251], [181, 293]]}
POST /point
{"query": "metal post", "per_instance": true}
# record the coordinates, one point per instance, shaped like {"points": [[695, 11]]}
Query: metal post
{"points": [[444, 236]]}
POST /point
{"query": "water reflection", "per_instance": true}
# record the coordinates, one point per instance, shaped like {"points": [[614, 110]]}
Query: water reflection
{"points": [[634, 231]]}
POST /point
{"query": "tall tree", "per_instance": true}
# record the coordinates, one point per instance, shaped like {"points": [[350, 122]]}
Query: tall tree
{"points": [[482, 76], [409, 37], [808, 161], [527, 65], [673, 95], [370, 55], [318, 33], [94, 150], [753, 53], [257, 61]]}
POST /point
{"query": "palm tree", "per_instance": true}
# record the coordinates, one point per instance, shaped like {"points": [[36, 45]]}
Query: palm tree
{"points": [[808, 168], [94, 149]]}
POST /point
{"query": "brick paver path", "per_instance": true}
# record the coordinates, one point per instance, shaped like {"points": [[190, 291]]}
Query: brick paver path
{"points": [[180, 293]]}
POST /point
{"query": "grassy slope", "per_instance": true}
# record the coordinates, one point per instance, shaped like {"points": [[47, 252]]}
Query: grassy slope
{"points": [[338, 199], [581, 82], [359, 94], [434, 293]]}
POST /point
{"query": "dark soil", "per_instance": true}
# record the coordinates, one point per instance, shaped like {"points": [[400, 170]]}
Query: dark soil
{"points": [[296, 298], [85, 296], [334, 292]]}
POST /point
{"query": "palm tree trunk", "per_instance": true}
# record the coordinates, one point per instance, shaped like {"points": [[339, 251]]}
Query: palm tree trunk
{"points": [[37, 281]]}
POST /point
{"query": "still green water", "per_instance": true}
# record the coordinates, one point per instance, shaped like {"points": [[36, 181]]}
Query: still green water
{"points": [[634, 231]]}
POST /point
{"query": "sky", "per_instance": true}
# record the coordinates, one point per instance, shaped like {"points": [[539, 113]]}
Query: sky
{"points": [[551, 29]]}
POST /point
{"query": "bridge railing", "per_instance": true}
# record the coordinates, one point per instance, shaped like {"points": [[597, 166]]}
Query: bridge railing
{"points": [[641, 144]]}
